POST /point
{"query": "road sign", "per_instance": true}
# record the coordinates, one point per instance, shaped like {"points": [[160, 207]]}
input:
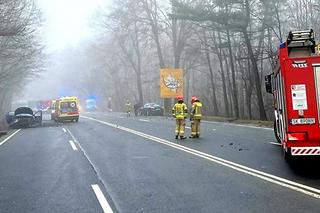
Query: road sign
{"points": [[171, 83]]}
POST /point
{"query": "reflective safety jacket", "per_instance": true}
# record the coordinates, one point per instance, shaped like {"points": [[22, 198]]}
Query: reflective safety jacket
{"points": [[128, 106], [196, 110], [180, 111]]}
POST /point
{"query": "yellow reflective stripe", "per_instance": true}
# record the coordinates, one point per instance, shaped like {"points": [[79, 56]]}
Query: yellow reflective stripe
{"points": [[197, 109], [180, 110]]}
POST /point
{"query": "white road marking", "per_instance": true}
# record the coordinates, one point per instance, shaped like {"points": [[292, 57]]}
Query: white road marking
{"points": [[101, 198], [8, 138], [140, 157], [314, 192], [64, 129], [75, 141], [214, 130], [240, 125], [275, 143], [74, 147], [253, 127], [72, 136], [188, 127], [144, 120]]}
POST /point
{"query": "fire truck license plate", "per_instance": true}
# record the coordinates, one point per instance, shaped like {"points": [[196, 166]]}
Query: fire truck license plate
{"points": [[303, 121]]}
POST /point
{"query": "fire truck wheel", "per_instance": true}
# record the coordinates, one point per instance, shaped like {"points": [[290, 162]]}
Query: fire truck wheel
{"points": [[287, 156], [275, 129]]}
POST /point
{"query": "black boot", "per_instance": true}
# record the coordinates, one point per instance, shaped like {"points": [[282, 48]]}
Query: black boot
{"points": [[182, 137], [176, 136]]}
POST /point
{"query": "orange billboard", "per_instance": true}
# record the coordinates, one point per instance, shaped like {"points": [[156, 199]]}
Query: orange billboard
{"points": [[171, 83]]}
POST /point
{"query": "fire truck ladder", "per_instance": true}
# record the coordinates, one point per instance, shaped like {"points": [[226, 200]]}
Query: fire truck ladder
{"points": [[301, 39]]}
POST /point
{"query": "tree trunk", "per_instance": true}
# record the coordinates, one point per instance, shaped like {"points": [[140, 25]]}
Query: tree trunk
{"points": [[214, 96], [138, 70], [152, 16], [256, 75], [233, 75], [224, 86], [229, 86]]}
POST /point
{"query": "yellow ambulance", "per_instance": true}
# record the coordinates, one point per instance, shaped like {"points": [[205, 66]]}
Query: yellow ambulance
{"points": [[66, 109]]}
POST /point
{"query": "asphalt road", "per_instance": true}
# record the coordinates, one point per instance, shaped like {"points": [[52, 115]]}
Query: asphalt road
{"points": [[110, 163]]}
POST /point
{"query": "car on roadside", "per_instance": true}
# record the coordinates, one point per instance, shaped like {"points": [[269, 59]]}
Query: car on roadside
{"points": [[24, 117], [151, 109]]}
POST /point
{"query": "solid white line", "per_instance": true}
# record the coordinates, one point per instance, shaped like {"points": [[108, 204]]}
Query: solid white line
{"points": [[275, 143], [144, 120], [64, 129], [101, 198], [8, 138], [240, 125], [253, 127], [212, 122], [314, 192], [74, 147]]}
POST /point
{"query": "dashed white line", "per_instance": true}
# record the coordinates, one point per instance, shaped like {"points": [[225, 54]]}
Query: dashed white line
{"points": [[74, 147], [63, 129], [72, 136], [8, 138], [298, 187], [144, 120], [101, 198]]}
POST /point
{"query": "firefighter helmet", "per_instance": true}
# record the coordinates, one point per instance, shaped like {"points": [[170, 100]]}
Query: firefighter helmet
{"points": [[193, 99], [180, 98]]}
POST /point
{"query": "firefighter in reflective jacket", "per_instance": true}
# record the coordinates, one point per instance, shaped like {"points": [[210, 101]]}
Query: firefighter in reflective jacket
{"points": [[128, 108], [180, 112], [195, 117]]}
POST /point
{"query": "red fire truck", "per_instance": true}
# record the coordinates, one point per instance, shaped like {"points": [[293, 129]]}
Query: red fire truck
{"points": [[295, 85]]}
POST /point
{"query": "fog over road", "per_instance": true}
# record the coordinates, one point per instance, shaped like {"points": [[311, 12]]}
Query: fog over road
{"points": [[110, 163]]}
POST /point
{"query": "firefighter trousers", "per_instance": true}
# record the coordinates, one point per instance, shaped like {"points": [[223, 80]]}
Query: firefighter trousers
{"points": [[180, 126], [195, 128]]}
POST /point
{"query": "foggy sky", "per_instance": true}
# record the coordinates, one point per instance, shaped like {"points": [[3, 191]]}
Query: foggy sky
{"points": [[67, 24]]}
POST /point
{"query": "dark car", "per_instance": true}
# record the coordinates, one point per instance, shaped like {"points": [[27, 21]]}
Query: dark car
{"points": [[24, 117], [151, 109]]}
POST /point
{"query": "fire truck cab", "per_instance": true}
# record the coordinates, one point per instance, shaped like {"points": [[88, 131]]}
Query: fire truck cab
{"points": [[295, 85]]}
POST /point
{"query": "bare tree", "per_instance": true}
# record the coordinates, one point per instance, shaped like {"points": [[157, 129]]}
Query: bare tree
{"points": [[20, 49]]}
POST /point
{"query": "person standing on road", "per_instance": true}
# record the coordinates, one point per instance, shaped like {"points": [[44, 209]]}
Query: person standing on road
{"points": [[136, 108], [180, 112], [195, 117], [128, 108], [109, 105]]}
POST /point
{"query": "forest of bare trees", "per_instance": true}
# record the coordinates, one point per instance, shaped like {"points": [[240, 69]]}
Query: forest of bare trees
{"points": [[20, 48], [225, 48]]}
